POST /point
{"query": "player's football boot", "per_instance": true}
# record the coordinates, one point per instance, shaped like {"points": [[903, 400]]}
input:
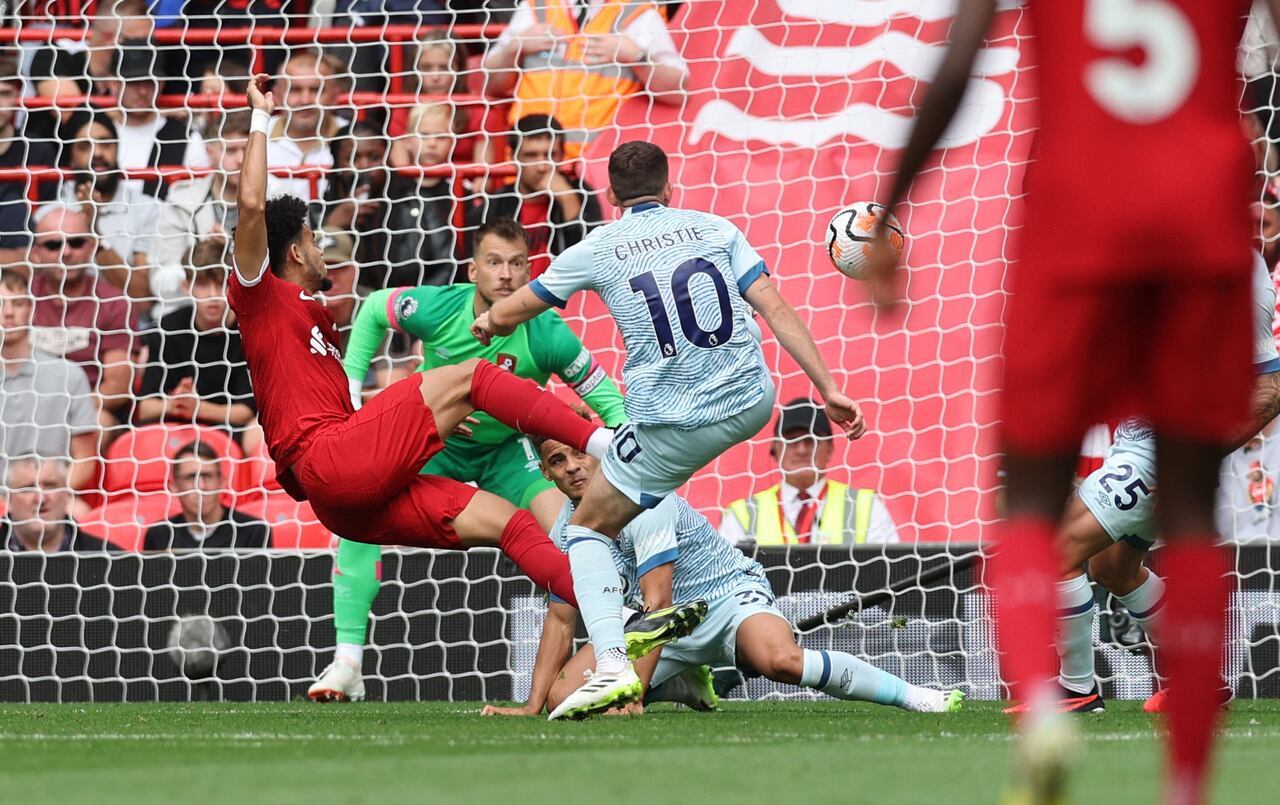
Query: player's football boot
{"points": [[954, 702], [1041, 760], [649, 630], [340, 681], [693, 687], [1159, 701], [601, 692], [1069, 702]]}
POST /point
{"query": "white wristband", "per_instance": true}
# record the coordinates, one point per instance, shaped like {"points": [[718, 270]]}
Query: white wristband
{"points": [[259, 121]]}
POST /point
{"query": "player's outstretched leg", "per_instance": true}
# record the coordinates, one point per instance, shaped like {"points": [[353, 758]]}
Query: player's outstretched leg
{"points": [[490, 521], [356, 577], [767, 644], [1078, 690]]}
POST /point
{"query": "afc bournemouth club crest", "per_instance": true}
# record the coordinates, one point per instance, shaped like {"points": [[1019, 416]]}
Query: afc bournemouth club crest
{"points": [[506, 362]]}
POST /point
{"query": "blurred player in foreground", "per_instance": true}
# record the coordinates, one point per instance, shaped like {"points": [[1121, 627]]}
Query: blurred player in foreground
{"points": [[671, 552], [1111, 524], [360, 468], [1110, 317], [496, 458], [681, 285]]}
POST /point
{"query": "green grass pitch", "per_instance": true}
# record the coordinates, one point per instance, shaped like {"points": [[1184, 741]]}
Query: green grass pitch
{"points": [[768, 752]]}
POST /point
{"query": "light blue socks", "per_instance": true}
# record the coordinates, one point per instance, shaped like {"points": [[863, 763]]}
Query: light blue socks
{"points": [[599, 591]]}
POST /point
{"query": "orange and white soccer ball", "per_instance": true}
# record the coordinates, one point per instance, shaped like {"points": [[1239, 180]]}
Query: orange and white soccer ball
{"points": [[851, 233]]}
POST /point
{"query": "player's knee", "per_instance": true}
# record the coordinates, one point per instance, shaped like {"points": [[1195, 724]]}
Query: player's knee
{"points": [[1118, 577], [783, 663]]}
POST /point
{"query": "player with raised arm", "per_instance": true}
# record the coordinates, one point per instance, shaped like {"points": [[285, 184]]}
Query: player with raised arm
{"points": [[1111, 524], [1113, 318], [680, 284], [671, 552], [360, 469], [490, 454]]}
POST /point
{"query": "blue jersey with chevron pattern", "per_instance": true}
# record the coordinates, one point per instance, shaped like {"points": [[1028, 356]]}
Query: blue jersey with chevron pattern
{"points": [[673, 280], [706, 564]]}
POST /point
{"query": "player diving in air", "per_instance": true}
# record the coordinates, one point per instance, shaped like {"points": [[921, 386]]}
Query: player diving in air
{"points": [[1110, 317], [360, 469], [680, 284], [671, 552], [496, 458], [1111, 524]]}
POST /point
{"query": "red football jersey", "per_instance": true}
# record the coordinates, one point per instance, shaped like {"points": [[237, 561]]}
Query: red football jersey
{"points": [[290, 345], [1140, 163]]}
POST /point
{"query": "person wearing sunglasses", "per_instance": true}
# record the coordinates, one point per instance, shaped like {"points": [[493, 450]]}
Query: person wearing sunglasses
{"points": [[78, 314]]}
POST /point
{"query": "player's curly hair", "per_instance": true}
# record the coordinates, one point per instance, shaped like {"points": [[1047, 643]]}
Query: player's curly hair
{"points": [[286, 216]]}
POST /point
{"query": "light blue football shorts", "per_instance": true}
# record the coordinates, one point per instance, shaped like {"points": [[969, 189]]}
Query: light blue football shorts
{"points": [[1121, 493], [648, 462], [715, 641]]}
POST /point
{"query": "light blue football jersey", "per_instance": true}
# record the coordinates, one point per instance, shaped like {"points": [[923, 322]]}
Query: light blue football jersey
{"points": [[673, 280], [706, 565]]}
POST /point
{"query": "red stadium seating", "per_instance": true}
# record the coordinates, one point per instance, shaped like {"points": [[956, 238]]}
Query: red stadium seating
{"points": [[123, 520], [139, 460], [255, 476], [293, 525]]}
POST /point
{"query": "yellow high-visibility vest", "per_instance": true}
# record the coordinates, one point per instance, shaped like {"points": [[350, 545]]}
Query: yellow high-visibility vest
{"points": [[846, 511], [583, 97]]}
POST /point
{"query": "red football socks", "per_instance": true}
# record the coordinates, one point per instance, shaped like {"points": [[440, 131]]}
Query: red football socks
{"points": [[1023, 579], [537, 556], [518, 403], [1193, 630]]}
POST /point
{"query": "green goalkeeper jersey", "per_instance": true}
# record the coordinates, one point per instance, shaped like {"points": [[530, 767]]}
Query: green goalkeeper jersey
{"points": [[441, 316]]}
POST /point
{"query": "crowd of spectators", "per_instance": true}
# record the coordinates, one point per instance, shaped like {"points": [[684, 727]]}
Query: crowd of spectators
{"points": [[115, 266]]}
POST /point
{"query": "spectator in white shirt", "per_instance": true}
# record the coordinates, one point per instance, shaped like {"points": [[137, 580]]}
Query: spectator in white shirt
{"points": [[303, 132], [124, 219], [199, 208], [807, 507], [148, 139]]}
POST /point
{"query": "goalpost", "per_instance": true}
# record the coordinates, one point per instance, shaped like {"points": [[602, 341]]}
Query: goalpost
{"points": [[793, 110]]}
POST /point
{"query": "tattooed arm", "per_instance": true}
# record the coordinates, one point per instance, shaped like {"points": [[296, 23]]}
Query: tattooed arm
{"points": [[1264, 406]]}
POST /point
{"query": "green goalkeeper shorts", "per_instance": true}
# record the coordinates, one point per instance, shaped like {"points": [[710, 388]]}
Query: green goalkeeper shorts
{"points": [[507, 469]]}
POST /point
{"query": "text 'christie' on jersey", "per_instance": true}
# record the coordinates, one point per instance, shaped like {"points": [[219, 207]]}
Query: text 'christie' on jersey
{"points": [[674, 282]]}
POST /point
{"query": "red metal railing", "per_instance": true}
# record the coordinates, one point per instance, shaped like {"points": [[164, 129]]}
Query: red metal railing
{"points": [[260, 38], [458, 172]]}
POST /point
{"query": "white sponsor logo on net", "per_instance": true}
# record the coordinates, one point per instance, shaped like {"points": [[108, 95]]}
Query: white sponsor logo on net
{"points": [[977, 116]]}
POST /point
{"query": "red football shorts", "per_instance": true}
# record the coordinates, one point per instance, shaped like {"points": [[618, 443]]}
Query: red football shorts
{"points": [[1176, 350], [362, 479]]}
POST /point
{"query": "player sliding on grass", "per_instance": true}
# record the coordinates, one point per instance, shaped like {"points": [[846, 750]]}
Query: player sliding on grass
{"points": [[680, 284], [359, 469], [1111, 524], [496, 458], [672, 552]]}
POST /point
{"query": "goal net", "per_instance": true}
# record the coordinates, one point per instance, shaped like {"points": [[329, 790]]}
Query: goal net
{"points": [[122, 127]]}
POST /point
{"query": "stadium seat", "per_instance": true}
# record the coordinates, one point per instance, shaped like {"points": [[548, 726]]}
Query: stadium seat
{"points": [[124, 519], [255, 476], [139, 460], [293, 525]]}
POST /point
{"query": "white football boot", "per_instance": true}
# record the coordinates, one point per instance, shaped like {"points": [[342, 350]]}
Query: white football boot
{"points": [[340, 681], [600, 693]]}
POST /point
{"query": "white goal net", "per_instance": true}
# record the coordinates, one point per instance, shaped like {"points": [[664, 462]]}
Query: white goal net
{"points": [[122, 125]]}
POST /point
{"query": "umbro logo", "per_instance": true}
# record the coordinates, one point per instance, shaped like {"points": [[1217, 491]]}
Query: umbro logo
{"points": [[321, 347]]}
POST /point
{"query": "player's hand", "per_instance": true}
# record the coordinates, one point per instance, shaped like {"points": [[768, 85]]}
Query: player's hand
{"points": [[463, 428], [611, 49], [845, 412], [629, 709], [494, 710], [260, 97], [482, 329], [537, 38], [883, 276]]}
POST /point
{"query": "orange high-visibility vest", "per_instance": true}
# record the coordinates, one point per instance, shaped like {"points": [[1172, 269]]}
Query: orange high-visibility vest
{"points": [[583, 97]]}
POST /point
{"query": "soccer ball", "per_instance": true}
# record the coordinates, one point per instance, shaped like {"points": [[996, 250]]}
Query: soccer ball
{"points": [[195, 642], [850, 235]]}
